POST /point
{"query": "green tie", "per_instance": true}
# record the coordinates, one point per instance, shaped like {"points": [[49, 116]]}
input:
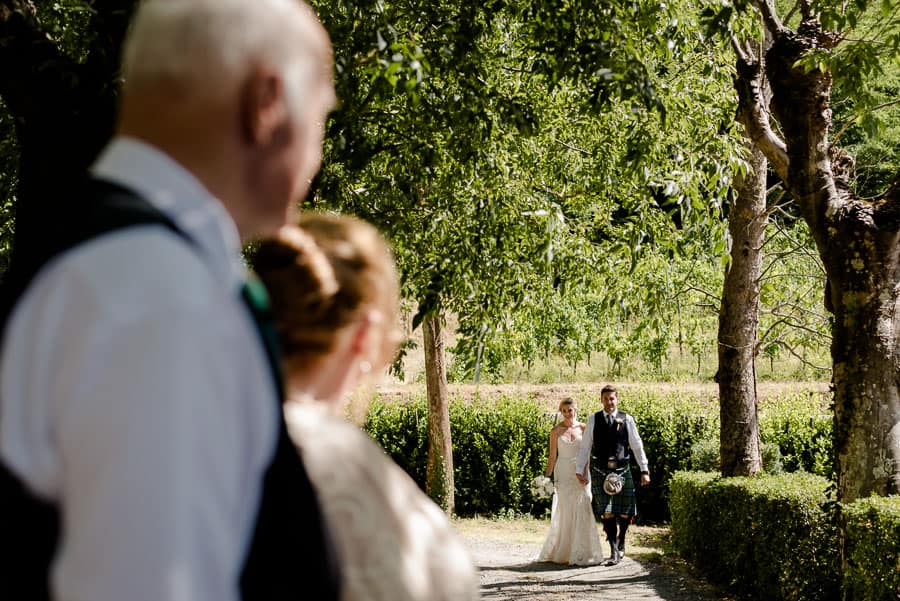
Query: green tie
{"points": [[609, 419], [256, 298]]}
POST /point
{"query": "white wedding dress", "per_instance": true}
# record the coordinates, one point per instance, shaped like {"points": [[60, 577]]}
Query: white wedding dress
{"points": [[393, 542], [573, 538]]}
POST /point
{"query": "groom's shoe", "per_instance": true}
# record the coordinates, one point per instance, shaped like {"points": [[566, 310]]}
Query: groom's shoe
{"points": [[613, 555]]}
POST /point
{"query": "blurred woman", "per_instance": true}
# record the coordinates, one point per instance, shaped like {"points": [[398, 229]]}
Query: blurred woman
{"points": [[335, 294], [573, 538]]}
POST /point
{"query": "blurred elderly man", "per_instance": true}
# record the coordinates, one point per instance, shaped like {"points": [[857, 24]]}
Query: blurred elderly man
{"points": [[143, 448]]}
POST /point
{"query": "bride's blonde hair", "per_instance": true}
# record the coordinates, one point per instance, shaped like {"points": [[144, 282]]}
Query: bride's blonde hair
{"points": [[564, 403]]}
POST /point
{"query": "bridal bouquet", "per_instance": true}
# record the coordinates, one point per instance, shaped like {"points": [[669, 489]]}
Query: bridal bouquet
{"points": [[542, 487]]}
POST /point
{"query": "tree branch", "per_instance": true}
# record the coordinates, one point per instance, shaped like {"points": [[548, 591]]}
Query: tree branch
{"points": [[877, 107], [769, 15], [707, 293], [805, 361], [765, 334], [790, 13], [571, 147], [739, 49], [753, 113], [790, 349], [797, 247], [803, 316]]}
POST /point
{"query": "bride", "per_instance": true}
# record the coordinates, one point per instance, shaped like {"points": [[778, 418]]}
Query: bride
{"points": [[573, 538], [334, 296]]}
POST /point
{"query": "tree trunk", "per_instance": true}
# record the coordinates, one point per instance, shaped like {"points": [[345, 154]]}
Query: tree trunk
{"points": [[859, 243], [738, 325], [439, 477], [866, 397]]}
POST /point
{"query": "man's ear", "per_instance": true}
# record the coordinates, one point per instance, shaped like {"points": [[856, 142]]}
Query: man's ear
{"points": [[262, 106]]}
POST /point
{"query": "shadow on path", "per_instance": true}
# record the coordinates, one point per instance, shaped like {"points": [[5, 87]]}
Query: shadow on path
{"points": [[537, 566], [509, 571]]}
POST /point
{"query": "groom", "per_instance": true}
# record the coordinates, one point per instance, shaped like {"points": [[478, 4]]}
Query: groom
{"points": [[610, 438]]}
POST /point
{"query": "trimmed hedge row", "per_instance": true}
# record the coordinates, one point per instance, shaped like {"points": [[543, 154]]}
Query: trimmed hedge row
{"points": [[762, 537], [873, 555], [500, 445], [776, 537]]}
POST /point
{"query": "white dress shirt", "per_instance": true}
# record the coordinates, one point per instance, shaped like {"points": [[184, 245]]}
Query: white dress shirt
{"points": [[135, 394], [587, 441]]}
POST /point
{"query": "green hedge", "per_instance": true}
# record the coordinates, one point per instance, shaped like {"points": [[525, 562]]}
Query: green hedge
{"points": [[500, 445], [800, 424], [498, 448], [873, 549], [776, 537], [766, 537], [402, 431]]}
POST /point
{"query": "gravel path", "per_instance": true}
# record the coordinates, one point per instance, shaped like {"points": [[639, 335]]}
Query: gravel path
{"points": [[509, 571]]}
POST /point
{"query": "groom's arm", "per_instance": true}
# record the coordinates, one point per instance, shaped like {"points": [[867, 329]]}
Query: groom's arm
{"points": [[637, 447]]}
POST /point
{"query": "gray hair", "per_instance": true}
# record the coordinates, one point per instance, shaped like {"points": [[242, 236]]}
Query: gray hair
{"points": [[207, 46]]}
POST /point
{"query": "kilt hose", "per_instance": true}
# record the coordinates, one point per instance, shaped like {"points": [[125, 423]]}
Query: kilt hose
{"points": [[624, 503]]}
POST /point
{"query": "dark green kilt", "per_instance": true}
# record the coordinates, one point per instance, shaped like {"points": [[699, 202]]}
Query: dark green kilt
{"points": [[624, 503]]}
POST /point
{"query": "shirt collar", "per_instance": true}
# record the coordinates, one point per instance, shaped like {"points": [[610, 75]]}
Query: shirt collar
{"points": [[172, 189]]}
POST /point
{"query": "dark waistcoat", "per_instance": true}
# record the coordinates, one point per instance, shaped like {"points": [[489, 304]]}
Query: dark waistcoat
{"points": [[610, 442], [290, 557]]}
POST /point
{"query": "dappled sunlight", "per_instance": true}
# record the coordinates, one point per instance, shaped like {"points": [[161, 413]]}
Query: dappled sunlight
{"points": [[505, 550]]}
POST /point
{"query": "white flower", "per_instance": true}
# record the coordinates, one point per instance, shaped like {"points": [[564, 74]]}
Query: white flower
{"points": [[542, 487]]}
